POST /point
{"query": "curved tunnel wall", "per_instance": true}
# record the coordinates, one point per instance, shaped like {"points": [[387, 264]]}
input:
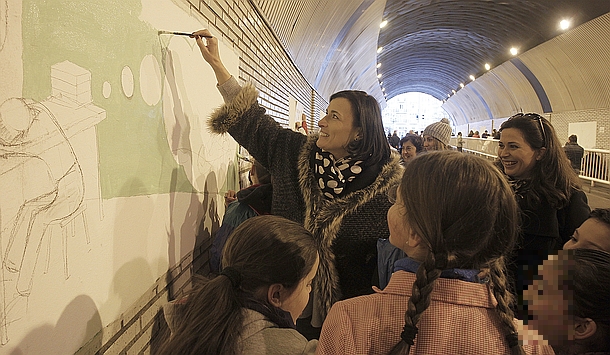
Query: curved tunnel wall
{"points": [[572, 72]]}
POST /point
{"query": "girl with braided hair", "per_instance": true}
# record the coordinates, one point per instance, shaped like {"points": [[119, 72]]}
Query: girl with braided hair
{"points": [[251, 307], [449, 295]]}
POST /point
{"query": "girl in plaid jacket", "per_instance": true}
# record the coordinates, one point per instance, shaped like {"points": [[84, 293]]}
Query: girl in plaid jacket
{"points": [[449, 296]]}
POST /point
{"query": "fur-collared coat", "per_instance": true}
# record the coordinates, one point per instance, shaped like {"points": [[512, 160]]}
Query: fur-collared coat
{"points": [[346, 227]]}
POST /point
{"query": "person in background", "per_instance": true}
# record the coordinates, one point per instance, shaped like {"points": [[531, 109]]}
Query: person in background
{"points": [[495, 133], [460, 142], [410, 146], [548, 191], [252, 201], [568, 302], [574, 152], [485, 134], [476, 134], [449, 295], [594, 233], [333, 182], [299, 127], [251, 307], [471, 133], [304, 123], [437, 135], [394, 140]]}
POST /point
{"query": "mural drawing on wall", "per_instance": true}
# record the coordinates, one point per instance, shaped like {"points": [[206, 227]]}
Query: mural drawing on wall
{"points": [[41, 179], [105, 119]]}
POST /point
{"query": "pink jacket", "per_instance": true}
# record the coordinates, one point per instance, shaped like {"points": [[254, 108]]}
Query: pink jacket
{"points": [[461, 319]]}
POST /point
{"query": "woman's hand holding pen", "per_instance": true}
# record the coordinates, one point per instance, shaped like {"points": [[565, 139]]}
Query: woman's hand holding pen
{"points": [[209, 50]]}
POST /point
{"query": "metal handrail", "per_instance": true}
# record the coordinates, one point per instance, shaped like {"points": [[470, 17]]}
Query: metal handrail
{"points": [[595, 163]]}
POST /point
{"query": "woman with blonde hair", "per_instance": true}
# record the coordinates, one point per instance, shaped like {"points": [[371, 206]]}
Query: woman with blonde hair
{"points": [[437, 135]]}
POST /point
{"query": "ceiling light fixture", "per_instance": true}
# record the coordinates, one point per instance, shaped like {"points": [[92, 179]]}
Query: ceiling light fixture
{"points": [[564, 24], [378, 65], [472, 77], [383, 23], [461, 85], [379, 49], [487, 66], [514, 51]]}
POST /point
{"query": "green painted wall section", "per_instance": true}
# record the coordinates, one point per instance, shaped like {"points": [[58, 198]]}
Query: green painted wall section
{"points": [[103, 37]]}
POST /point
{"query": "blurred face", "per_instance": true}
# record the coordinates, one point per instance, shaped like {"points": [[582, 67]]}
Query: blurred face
{"points": [[548, 304], [430, 143], [592, 234], [297, 300], [516, 155], [337, 128], [408, 151]]}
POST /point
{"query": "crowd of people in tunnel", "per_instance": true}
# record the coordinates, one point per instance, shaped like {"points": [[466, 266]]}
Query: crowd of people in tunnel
{"points": [[366, 250]]}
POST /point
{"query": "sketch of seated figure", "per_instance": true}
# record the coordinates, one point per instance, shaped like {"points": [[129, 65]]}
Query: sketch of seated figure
{"points": [[50, 188]]}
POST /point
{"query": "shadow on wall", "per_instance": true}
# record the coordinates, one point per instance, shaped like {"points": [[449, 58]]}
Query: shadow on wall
{"points": [[78, 324], [209, 226], [196, 220]]}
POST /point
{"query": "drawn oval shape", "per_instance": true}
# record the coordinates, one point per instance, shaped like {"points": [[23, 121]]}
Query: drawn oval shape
{"points": [[150, 80], [127, 81]]}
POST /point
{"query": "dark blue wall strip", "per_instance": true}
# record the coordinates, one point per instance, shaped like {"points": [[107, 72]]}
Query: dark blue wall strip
{"points": [[348, 25], [361, 74], [483, 101], [544, 99]]}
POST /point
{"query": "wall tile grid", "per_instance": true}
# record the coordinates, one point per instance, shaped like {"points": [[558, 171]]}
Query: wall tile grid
{"points": [[142, 328], [562, 120], [263, 62]]}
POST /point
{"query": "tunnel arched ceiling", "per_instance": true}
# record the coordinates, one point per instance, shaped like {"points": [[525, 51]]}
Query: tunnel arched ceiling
{"points": [[429, 46], [432, 46]]}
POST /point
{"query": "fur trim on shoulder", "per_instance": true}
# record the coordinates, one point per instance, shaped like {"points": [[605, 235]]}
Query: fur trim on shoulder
{"points": [[226, 115], [325, 217]]}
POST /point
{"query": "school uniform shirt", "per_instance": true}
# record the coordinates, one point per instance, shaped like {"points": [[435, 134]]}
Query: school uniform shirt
{"points": [[461, 319]]}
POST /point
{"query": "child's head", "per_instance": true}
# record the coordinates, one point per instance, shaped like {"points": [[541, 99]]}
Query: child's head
{"points": [[276, 260], [454, 210], [267, 260], [594, 233], [460, 206], [568, 301]]}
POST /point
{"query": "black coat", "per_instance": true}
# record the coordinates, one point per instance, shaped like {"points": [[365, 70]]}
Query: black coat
{"points": [[346, 227]]}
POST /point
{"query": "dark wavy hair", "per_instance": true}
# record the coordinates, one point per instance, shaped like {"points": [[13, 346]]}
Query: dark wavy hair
{"points": [[602, 215], [373, 146], [478, 236], [416, 140], [552, 176], [265, 250]]}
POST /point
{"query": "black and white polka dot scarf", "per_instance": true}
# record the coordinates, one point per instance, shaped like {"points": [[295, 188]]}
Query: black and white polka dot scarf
{"points": [[333, 175]]}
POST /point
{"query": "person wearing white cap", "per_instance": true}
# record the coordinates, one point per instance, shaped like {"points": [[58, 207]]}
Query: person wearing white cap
{"points": [[437, 135]]}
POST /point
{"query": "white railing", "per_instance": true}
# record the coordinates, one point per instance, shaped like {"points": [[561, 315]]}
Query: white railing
{"points": [[595, 165]]}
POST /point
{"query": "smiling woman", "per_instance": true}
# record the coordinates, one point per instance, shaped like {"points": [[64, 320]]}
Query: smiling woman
{"points": [[548, 191], [334, 183]]}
